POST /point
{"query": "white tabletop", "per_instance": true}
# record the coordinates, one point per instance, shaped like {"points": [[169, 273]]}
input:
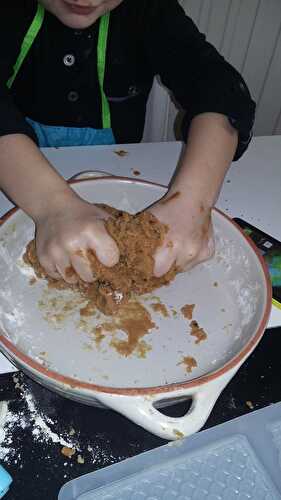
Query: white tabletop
{"points": [[251, 189]]}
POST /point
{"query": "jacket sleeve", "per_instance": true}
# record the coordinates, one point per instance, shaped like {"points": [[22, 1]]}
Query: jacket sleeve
{"points": [[197, 75], [14, 21]]}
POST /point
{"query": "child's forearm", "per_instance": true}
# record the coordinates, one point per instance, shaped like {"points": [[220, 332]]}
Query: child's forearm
{"points": [[211, 146], [185, 209], [66, 226], [28, 178]]}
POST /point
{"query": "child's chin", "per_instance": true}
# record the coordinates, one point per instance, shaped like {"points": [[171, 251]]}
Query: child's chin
{"points": [[77, 22]]}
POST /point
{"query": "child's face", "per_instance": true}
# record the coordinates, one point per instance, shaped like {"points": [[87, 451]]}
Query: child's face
{"points": [[79, 14]]}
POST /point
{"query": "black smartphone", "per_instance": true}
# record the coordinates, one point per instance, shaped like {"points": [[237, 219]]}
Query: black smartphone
{"points": [[270, 249]]}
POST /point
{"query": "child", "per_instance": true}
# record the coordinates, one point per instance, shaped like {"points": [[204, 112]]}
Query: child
{"points": [[77, 72]]}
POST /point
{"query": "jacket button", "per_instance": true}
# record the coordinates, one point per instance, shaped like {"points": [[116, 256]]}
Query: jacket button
{"points": [[133, 90], [69, 60], [73, 96]]}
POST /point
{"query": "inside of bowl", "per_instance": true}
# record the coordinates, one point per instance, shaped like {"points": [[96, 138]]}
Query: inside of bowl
{"points": [[228, 294]]}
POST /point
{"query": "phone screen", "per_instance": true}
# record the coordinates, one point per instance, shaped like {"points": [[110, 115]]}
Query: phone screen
{"points": [[270, 248]]}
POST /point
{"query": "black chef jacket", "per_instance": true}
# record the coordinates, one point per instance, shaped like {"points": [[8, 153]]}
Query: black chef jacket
{"points": [[146, 38]]}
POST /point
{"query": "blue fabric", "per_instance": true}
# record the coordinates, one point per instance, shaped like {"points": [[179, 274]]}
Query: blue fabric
{"points": [[49, 136]]}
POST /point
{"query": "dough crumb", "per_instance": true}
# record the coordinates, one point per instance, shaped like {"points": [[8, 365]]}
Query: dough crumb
{"points": [[250, 405], [189, 363], [121, 152], [197, 332], [187, 310], [161, 308], [178, 434], [68, 452]]}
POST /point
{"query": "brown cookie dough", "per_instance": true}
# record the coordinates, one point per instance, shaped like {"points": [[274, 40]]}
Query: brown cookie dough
{"points": [[189, 363], [187, 310], [138, 237], [197, 332]]}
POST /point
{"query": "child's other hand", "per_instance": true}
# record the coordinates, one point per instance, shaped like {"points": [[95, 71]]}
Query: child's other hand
{"points": [[189, 239], [64, 235]]}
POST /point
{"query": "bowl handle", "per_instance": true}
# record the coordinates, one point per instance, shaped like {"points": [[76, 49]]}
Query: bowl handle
{"points": [[141, 409]]}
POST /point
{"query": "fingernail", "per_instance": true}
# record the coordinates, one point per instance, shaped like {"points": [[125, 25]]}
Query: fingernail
{"points": [[82, 268], [108, 259]]}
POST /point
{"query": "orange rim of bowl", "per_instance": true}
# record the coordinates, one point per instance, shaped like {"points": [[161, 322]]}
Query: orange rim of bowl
{"points": [[16, 354]]}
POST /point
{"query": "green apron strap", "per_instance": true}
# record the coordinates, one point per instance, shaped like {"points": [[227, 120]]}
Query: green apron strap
{"points": [[101, 58], [28, 41]]}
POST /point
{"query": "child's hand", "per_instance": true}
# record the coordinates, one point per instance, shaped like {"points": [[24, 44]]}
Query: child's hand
{"points": [[63, 237], [189, 240]]}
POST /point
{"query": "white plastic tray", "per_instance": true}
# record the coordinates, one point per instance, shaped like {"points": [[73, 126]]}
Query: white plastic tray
{"points": [[240, 460]]}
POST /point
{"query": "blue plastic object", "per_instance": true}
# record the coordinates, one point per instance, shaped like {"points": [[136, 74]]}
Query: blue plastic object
{"points": [[5, 481], [238, 460]]}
